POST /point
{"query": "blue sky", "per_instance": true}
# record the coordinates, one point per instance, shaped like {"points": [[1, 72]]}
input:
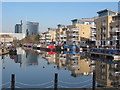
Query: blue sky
{"points": [[50, 14]]}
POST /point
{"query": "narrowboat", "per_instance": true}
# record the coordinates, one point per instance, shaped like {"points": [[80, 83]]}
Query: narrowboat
{"points": [[106, 52], [51, 48]]}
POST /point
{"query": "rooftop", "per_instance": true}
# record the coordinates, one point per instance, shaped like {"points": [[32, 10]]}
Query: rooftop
{"points": [[86, 19], [106, 10]]}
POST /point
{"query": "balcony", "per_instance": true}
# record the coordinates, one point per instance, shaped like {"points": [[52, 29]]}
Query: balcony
{"points": [[115, 38], [42, 38], [47, 37], [115, 30], [75, 39], [104, 24], [63, 39], [75, 29], [93, 32], [75, 34], [63, 36], [48, 34], [118, 21]]}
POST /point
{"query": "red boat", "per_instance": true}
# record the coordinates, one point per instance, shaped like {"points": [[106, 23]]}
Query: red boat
{"points": [[51, 48]]}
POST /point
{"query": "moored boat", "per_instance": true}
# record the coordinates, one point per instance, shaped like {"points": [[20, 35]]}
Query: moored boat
{"points": [[106, 52], [3, 51]]}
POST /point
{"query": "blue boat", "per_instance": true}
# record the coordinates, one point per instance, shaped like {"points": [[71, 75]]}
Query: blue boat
{"points": [[105, 51]]}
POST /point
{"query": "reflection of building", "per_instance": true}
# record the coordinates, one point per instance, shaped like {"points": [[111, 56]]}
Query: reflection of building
{"points": [[78, 65], [107, 74], [50, 57], [25, 58], [31, 59], [75, 63], [18, 59], [60, 60]]}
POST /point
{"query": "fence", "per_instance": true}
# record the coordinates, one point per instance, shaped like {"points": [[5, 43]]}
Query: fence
{"points": [[52, 84]]}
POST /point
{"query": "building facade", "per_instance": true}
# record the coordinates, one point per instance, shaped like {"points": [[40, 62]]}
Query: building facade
{"points": [[103, 27], [6, 38], [18, 28], [11, 36], [48, 37], [115, 32], [61, 34], [30, 28], [81, 31]]}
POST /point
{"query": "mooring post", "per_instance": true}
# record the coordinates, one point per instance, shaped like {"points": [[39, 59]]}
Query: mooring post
{"points": [[94, 80], [56, 81], [12, 81]]}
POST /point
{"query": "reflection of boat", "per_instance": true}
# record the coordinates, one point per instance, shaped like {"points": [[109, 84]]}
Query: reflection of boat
{"points": [[105, 51], [12, 56], [12, 50], [72, 52], [51, 53]]}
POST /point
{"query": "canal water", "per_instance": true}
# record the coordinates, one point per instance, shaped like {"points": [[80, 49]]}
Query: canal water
{"points": [[36, 69]]}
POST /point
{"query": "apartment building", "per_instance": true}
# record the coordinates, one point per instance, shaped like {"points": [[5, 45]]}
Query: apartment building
{"points": [[61, 36], [6, 38], [103, 27], [48, 37], [115, 32], [81, 31], [42, 39], [77, 32]]}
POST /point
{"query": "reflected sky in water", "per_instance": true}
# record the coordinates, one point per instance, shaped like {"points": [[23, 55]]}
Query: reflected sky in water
{"points": [[36, 67]]}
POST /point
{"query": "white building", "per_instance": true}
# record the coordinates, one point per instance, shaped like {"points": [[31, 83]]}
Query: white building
{"points": [[14, 36]]}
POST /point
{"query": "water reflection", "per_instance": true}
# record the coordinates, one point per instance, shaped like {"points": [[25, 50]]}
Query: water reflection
{"points": [[78, 64], [25, 58], [107, 71], [72, 61]]}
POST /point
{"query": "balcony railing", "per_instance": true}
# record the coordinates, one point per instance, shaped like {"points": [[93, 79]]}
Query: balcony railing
{"points": [[115, 30], [63, 36], [75, 39], [75, 34], [75, 29], [116, 38]]}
